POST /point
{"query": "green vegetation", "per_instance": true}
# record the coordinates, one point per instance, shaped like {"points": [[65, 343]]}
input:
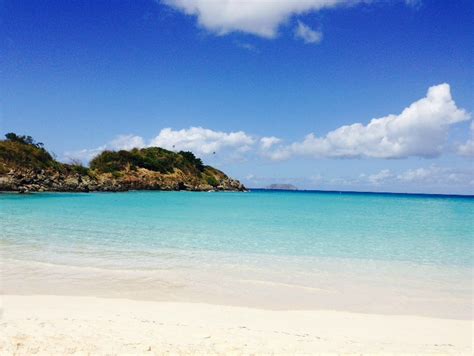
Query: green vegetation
{"points": [[26, 140], [19, 151], [211, 180], [77, 167], [110, 170], [154, 159], [22, 151], [191, 159]]}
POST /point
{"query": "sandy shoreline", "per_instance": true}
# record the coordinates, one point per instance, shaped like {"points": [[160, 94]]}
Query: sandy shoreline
{"points": [[81, 325]]}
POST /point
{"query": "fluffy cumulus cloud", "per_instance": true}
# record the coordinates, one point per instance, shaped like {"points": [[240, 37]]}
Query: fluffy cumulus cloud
{"points": [[268, 142], [307, 34], [84, 155], [126, 142], [121, 142], [419, 130], [201, 140], [257, 17], [467, 149], [196, 139]]}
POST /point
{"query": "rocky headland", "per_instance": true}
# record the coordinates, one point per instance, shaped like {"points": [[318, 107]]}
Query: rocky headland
{"points": [[26, 166]]}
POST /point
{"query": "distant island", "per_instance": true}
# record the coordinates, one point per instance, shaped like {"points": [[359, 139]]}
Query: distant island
{"points": [[281, 187], [26, 166]]}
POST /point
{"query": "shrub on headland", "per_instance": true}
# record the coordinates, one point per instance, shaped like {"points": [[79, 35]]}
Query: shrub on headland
{"points": [[153, 158], [24, 151], [26, 140]]}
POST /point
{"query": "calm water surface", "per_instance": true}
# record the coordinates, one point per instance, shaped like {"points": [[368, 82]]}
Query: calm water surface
{"points": [[412, 254]]}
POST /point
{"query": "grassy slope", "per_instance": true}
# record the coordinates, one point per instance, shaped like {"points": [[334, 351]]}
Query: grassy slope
{"points": [[17, 155]]}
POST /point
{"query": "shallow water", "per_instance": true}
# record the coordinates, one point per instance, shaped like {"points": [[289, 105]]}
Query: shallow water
{"points": [[397, 254]]}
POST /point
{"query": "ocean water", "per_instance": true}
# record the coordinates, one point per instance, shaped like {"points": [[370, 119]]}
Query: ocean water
{"points": [[381, 253]]}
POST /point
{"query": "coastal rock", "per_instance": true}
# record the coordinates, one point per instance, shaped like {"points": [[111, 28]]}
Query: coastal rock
{"points": [[27, 167]]}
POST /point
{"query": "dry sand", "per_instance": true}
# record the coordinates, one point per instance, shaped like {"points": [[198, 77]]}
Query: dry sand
{"points": [[88, 325]]}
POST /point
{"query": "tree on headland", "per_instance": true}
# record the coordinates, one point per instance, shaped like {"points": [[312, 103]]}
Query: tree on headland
{"points": [[192, 159], [24, 151], [26, 140]]}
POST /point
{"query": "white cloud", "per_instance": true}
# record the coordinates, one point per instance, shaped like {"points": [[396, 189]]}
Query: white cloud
{"points": [[431, 179], [421, 176], [467, 149], [419, 130], [126, 142], [418, 174], [84, 155], [307, 34], [268, 142], [196, 139], [381, 176], [257, 17], [436, 175], [202, 141], [121, 142]]}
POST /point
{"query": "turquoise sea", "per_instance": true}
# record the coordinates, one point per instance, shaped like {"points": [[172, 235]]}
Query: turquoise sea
{"points": [[381, 253]]}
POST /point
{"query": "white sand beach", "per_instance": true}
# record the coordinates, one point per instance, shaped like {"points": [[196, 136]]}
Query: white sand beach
{"points": [[42, 324]]}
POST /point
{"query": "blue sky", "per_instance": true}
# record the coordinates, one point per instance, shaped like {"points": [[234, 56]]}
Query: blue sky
{"points": [[250, 83]]}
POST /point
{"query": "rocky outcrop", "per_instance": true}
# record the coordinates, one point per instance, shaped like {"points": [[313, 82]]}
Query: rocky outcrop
{"points": [[25, 166], [52, 181]]}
